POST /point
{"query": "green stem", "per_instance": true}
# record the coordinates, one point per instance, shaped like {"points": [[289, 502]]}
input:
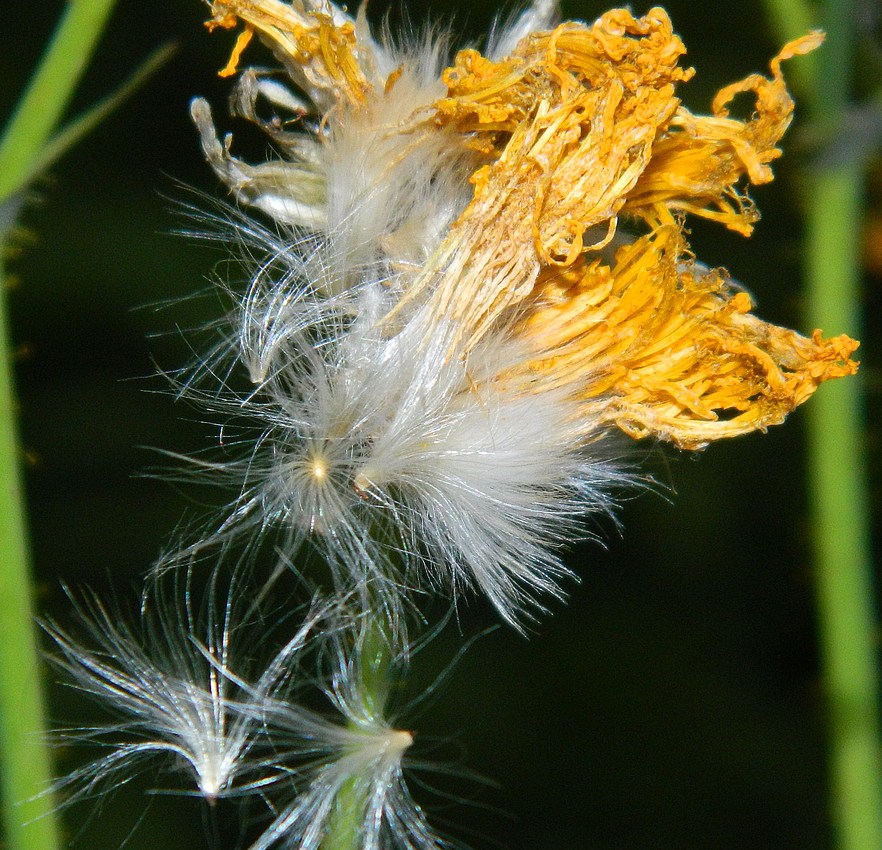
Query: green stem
{"points": [[837, 462], [346, 824], [840, 523], [47, 96], [839, 496], [27, 809], [28, 819]]}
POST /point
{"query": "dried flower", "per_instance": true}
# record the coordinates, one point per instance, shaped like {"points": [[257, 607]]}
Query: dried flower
{"points": [[441, 331], [446, 330]]}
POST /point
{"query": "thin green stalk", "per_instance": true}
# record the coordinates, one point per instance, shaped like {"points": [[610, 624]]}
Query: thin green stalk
{"points": [[841, 525], [28, 819], [837, 463], [25, 772], [46, 98], [346, 824]]}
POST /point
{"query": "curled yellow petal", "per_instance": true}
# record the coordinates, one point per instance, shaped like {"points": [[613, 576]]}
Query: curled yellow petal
{"points": [[568, 124], [698, 161], [659, 347], [242, 42], [319, 51]]}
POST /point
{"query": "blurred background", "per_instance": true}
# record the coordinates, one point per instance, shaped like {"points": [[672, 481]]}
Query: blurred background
{"points": [[675, 702]]}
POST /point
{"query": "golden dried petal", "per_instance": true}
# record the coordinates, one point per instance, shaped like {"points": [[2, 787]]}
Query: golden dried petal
{"points": [[313, 47], [568, 123], [659, 348], [577, 127], [697, 163]]}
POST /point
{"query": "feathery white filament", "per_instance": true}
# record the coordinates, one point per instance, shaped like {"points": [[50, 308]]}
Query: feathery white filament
{"points": [[169, 681], [352, 754], [180, 696], [403, 458]]}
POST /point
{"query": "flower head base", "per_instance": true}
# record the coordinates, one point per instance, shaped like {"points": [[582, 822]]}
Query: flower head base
{"points": [[348, 766], [451, 323]]}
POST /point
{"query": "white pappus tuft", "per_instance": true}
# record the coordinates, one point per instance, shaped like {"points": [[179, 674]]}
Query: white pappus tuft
{"points": [[183, 701], [347, 765], [168, 682], [406, 456]]}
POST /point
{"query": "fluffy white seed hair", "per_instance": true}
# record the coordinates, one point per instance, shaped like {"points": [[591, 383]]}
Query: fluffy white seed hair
{"points": [[185, 700], [168, 682], [404, 460], [349, 762]]}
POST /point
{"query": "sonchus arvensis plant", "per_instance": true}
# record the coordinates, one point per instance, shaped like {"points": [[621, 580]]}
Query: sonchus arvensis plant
{"points": [[467, 287]]}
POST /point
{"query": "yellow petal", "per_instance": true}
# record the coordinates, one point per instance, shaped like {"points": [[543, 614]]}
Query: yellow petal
{"points": [[660, 348], [311, 45], [697, 163], [567, 123]]}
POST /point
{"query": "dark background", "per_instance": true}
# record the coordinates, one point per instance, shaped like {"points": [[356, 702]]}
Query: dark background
{"points": [[675, 702]]}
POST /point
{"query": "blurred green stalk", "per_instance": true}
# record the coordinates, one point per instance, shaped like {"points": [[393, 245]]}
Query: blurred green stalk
{"points": [[49, 91], [840, 523], [28, 820], [25, 772], [837, 464]]}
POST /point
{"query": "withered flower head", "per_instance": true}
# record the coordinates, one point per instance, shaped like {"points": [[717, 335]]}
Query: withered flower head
{"points": [[456, 308]]}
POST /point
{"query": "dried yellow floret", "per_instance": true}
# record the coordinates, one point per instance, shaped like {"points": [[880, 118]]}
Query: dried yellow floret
{"points": [[577, 128], [661, 347], [311, 45], [697, 163]]}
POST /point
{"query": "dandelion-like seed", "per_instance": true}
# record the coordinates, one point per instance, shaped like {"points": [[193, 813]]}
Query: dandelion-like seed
{"points": [[173, 685], [181, 697], [348, 765], [442, 335]]}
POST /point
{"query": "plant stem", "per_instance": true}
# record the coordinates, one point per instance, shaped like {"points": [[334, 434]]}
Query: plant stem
{"points": [[27, 809], [840, 524], [840, 502], [836, 464], [45, 100], [346, 824], [28, 819]]}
